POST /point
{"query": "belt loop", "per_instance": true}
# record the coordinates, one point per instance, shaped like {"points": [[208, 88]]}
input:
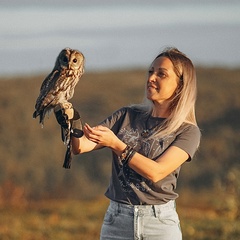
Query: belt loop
{"points": [[154, 211]]}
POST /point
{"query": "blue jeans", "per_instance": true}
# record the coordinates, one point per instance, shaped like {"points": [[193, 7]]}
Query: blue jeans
{"points": [[141, 222]]}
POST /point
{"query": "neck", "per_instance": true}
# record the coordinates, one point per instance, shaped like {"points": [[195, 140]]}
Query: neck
{"points": [[161, 110]]}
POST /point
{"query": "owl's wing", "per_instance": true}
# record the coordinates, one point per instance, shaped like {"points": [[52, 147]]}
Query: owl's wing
{"points": [[47, 86], [50, 81]]}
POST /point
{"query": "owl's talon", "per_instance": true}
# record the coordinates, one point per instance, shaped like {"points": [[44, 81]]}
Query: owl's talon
{"points": [[66, 105]]}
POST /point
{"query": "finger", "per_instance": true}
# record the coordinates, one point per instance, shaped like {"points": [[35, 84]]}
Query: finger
{"points": [[92, 130], [88, 126], [101, 128], [90, 134]]}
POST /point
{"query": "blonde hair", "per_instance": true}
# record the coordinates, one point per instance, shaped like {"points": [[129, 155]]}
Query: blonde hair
{"points": [[182, 107]]}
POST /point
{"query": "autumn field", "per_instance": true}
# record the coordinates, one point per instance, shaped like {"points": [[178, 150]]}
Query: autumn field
{"points": [[201, 219], [39, 200]]}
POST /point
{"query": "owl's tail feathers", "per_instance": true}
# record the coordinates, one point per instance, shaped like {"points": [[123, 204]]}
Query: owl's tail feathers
{"points": [[35, 114], [41, 116]]}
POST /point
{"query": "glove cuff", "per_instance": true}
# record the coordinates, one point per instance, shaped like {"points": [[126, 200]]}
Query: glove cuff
{"points": [[76, 125]]}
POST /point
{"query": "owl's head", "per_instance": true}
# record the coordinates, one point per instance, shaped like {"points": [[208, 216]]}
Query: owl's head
{"points": [[70, 59]]}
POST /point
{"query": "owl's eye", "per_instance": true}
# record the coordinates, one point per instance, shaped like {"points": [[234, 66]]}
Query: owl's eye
{"points": [[74, 60], [65, 59]]}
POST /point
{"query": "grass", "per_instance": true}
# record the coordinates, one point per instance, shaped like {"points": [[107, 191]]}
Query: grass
{"points": [[64, 219], [72, 219], [202, 224]]}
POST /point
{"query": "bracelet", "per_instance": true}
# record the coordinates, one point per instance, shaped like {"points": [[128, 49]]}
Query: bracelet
{"points": [[126, 155], [130, 156]]}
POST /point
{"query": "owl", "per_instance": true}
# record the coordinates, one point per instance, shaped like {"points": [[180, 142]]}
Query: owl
{"points": [[58, 86]]}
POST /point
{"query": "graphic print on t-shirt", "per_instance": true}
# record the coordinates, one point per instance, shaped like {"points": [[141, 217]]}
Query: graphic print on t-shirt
{"points": [[150, 147]]}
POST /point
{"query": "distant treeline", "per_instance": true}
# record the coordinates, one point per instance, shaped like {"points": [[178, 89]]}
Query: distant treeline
{"points": [[32, 157]]}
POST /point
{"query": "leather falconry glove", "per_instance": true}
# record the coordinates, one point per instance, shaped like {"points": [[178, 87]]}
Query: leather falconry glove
{"points": [[71, 125]]}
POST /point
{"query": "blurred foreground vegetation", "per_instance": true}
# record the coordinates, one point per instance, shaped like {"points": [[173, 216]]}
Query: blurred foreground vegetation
{"points": [[41, 195], [201, 219]]}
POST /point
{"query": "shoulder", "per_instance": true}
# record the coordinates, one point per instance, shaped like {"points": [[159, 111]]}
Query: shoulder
{"points": [[190, 130], [189, 127], [188, 138], [127, 114], [129, 110], [117, 117]]}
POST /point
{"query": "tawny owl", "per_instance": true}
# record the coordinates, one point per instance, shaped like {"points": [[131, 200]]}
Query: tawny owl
{"points": [[58, 86]]}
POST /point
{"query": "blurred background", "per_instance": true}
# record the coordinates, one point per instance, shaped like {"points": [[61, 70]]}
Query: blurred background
{"points": [[119, 40], [116, 34]]}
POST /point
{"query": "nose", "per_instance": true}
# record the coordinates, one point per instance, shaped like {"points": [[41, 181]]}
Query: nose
{"points": [[152, 77]]}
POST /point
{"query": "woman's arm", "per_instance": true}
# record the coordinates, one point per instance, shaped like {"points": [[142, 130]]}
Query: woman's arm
{"points": [[170, 160], [82, 145]]}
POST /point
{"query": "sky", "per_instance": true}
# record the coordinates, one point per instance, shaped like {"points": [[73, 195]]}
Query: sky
{"points": [[116, 34]]}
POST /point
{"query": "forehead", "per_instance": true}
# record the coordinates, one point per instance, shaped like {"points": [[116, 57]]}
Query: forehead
{"points": [[163, 63]]}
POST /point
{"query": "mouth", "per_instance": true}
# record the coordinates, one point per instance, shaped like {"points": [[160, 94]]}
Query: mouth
{"points": [[151, 86]]}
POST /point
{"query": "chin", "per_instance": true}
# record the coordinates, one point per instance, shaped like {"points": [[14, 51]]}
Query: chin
{"points": [[150, 97]]}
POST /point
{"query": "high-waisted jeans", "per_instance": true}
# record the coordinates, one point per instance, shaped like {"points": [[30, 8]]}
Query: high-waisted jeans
{"points": [[141, 222]]}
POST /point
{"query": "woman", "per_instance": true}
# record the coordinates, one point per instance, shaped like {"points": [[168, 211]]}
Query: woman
{"points": [[149, 143]]}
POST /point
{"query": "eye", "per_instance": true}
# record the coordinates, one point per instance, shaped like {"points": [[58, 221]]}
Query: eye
{"points": [[74, 60], [150, 72], [161, 74], [65, 59]]}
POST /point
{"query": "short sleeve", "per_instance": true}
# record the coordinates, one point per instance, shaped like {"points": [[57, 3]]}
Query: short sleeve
{"points": [[114, 121], [188, 139]]}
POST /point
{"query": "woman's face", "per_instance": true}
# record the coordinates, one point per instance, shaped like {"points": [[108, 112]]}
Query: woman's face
{"points": [[162, 80]]}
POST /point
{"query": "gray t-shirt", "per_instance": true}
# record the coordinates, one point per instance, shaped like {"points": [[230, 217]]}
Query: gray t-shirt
{"points": [[127, 186]]}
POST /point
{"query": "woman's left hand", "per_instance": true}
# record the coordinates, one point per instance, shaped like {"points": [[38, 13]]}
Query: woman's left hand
{"points": [[101, 135]]}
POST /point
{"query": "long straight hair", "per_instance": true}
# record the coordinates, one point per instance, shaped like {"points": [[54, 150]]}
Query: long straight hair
{"points": [[182, 106]]}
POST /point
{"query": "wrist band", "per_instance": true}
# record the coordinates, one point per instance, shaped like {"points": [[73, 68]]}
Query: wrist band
{"points": [[77, 133], [126, 155]]}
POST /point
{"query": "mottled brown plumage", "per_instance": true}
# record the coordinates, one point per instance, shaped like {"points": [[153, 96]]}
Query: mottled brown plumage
{"points": [[58, 86]]}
